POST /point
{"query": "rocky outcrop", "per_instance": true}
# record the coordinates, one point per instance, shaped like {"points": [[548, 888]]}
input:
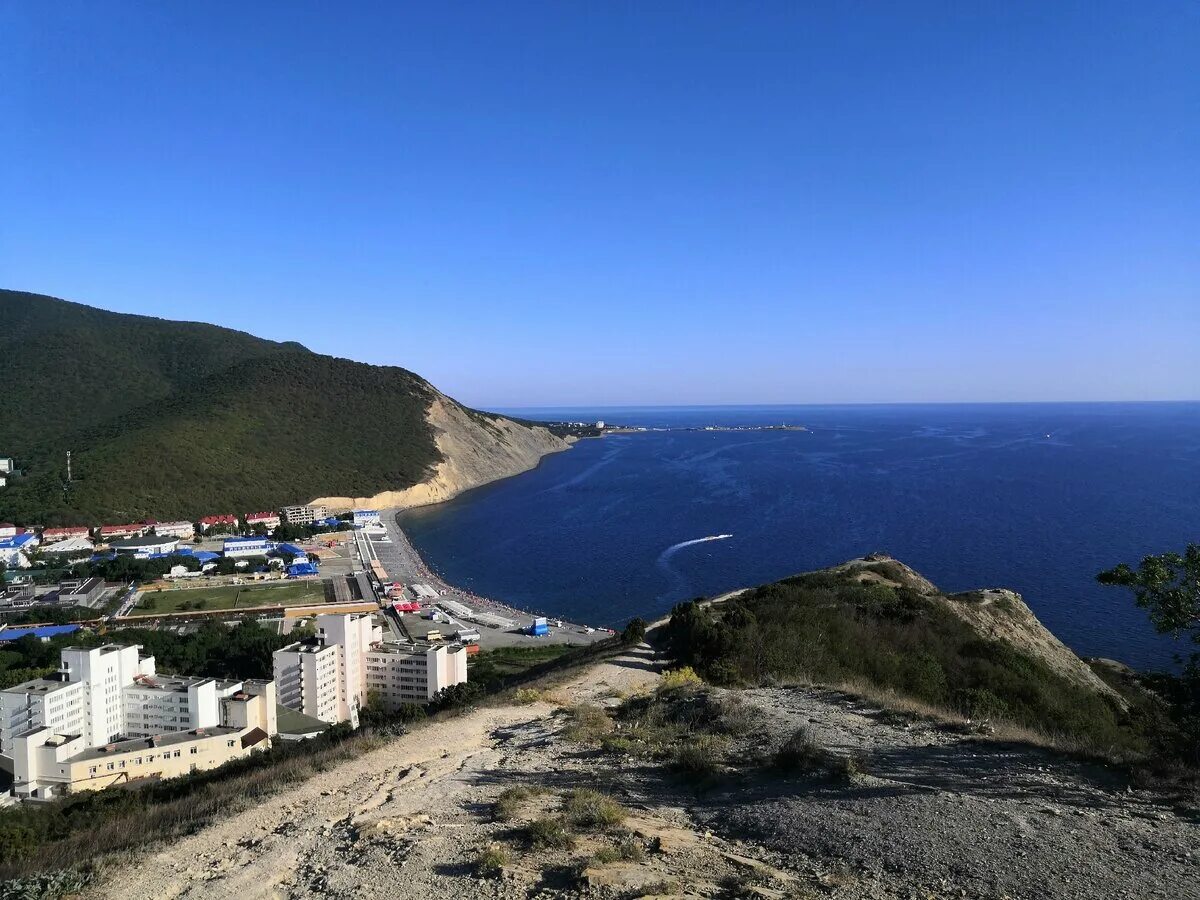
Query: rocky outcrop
{"points": [[994, 613], [476, 448]]}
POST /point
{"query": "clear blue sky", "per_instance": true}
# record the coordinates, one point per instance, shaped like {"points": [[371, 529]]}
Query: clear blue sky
{"points": [[609, 203]]}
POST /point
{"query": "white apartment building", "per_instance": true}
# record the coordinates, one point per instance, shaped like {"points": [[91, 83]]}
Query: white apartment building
{"points": [[161, 704], [303, 515], [326, 676], [307, 680], [84, 697], [355, 634], [330, 676], [412, 673]]}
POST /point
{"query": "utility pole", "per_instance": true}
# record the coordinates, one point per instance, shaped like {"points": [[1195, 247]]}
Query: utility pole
{"points": [[68, 467]]}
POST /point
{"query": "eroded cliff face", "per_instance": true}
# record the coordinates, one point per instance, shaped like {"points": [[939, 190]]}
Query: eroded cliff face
{"points": [[995, 613], [476, 448]]}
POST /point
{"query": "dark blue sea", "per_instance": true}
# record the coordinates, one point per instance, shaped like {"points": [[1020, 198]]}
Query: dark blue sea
{"points": [[1035, 497]]}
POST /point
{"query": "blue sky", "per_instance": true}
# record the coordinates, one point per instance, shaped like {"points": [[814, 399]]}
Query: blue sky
{"points": [[615, 203]]}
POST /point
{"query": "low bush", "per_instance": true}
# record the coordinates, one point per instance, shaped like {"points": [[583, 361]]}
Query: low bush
{"points": [[628, 850], [848, 766], [589, 724], [592, 810], [549, 833], [800, 754], [491, 862], [701, 759], [679, 679], [511, 800], [525, 696]]}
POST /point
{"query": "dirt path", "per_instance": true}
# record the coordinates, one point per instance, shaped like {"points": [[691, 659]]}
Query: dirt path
{"points": [[933, 813], [426, 783]]}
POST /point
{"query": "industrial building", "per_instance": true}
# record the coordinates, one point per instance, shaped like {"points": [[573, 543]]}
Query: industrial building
{"points": [[366, 517], [81, 591], [71, 548]]}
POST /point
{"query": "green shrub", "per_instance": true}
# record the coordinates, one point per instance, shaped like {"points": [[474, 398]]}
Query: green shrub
{"points": [[549, 833], [508, 805], [591, 810], [589, 724], [825, 627], [627, 850], [800, 754], [491, 862], [701, 759]]}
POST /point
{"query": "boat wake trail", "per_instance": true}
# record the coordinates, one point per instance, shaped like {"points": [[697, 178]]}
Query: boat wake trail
{"points": [[670, 551], [677, 582]]}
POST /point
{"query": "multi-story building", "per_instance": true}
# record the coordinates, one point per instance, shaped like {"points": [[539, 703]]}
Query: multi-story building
{"points": [[51, 535], [267, 520], [83, 697], [331, 676], [160, 704], [247, 546], [109, 532], [325, 676], [8, 530], [49, 762], [207, 523], [181, 530], [303, 515], [413, 673], [307, 679]]}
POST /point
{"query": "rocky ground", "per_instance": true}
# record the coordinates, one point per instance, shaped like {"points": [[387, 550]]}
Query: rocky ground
{"points": [[932, 813]]}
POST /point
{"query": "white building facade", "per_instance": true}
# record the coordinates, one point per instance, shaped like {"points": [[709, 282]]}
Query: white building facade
{"points": [[248, 546]]}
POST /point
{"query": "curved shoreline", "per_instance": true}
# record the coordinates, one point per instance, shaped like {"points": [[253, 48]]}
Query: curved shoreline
{"points": [[390, 518]]}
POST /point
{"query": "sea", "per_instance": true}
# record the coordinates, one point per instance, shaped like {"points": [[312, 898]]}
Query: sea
{"points": [[1033, 497]]}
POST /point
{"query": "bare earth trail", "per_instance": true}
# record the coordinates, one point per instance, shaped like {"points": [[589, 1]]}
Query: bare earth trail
{"points": [[936, 814], [429, 782]]}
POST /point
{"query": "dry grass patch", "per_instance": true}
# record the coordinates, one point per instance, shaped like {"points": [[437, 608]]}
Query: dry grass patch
{"points": [[589, 724], [592, 811]]}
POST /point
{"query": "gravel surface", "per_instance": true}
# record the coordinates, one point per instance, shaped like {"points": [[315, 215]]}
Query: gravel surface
{"points": [[935, 814]]}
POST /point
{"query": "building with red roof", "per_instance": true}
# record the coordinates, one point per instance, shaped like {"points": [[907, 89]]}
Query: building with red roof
{"points": [[50, 535]]}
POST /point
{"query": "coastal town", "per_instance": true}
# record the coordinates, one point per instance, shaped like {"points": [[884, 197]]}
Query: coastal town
{"points": [[362, 624]]}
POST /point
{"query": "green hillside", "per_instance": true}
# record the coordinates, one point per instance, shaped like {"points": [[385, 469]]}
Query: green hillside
{"points": [[176, 419]]}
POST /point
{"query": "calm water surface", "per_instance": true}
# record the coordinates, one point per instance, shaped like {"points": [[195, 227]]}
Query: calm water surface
{"points": [[1033, 497]]}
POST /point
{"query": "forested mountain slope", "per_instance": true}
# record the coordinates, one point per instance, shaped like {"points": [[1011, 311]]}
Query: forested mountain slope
{"points": [[178, 419]]}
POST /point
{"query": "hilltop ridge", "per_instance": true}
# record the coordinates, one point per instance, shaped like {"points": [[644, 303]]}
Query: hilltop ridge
{"points": [[179, 419], [627, 776]]}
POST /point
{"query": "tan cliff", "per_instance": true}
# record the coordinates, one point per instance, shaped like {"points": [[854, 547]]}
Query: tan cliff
{"points": [[476, 448]]}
